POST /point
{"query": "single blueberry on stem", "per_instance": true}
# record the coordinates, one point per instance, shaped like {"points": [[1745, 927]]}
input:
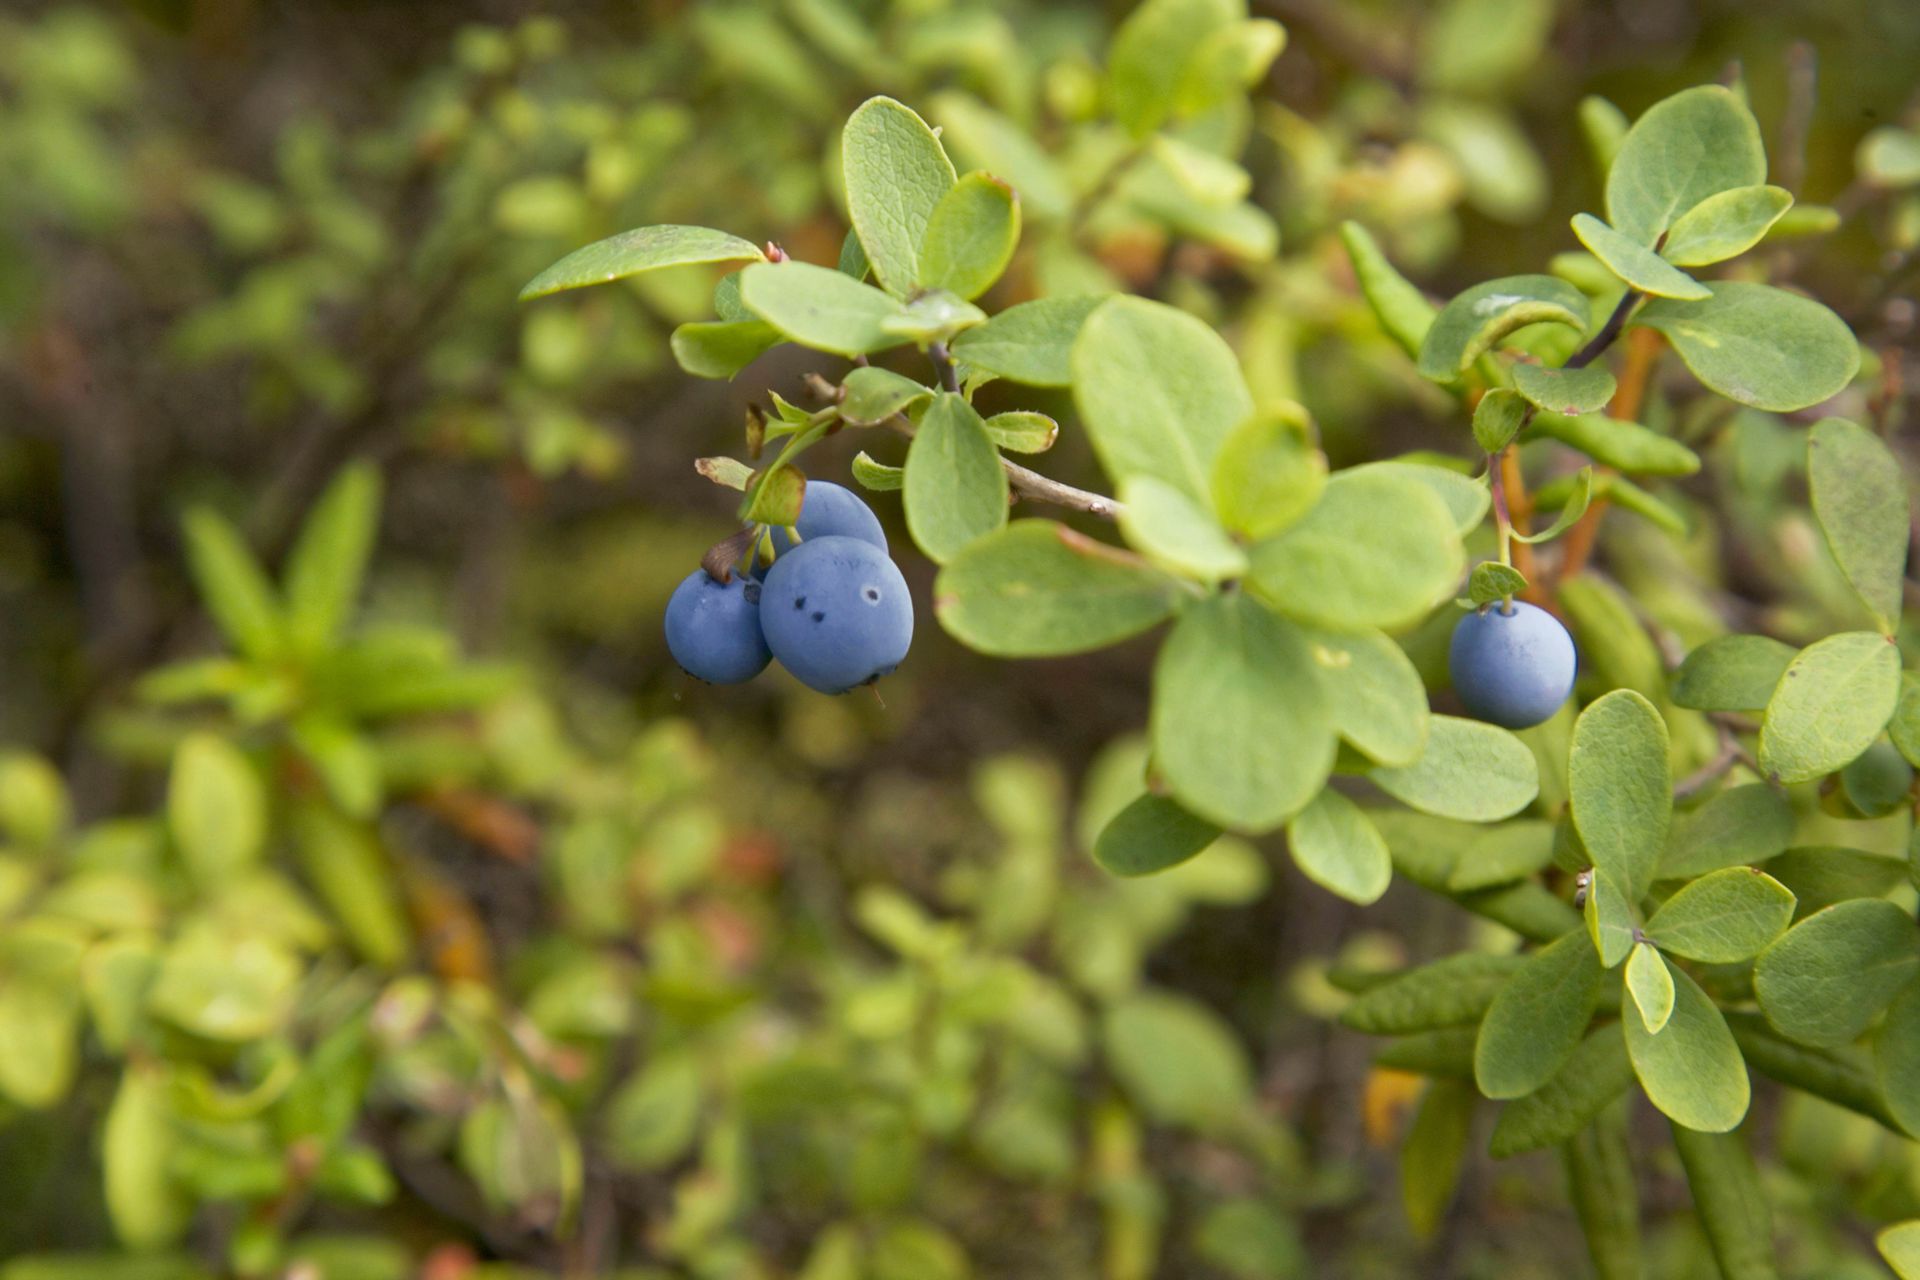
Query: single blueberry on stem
{"points": [[1513, 664], [713, 628], [836, 613]]}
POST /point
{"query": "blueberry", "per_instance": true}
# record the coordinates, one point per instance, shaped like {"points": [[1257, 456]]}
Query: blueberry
{"points": [[1513, 669], [713, 629], [832, 511], [836, 613]]}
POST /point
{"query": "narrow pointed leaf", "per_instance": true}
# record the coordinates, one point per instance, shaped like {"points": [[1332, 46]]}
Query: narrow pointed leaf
{"points": [[1594, 1075], [1860, 499], [1729, 1201], [643, 249], [1651, 987], [1621, 788]]}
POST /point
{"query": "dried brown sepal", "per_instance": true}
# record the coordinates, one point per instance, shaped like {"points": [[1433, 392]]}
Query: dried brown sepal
{"points": [[724, 557], [756, 431]]}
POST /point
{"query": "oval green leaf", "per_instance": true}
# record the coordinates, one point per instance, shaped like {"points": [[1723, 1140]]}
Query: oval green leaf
{"points": [[1467, 327], [1538, 1019], [643, 249], [956, 489], [1759, 345], [896, 174], [1835, 698], [1860, 499], [1038, 589], [1470, 771], [1620, 787], [1824, 980]]}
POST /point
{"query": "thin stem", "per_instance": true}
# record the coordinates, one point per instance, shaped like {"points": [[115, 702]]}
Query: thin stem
{"points": [[1025, 482], [1502, 518], [943, 365], [1608, 333]]}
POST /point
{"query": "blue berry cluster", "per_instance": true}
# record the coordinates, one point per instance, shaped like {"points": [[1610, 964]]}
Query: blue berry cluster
{"points": [[832, 607]]}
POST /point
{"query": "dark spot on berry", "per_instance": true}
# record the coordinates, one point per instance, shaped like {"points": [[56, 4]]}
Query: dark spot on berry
{"points": [[819, 617], [799, 602], [872, 594], [752, 592]]}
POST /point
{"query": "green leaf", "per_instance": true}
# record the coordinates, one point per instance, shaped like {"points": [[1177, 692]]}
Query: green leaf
{"points": [[1611, 919], [1148, 59], [1605, 127], [1651, 987], [232, 584], [137, 1147], [1692, 1069], [1031, 342], [956, 489], [877, 476], [39, 1033], [1738, 826], [231, 989], [1896, 1058], [1452, 991], [1860, 499], [1500, 415], [329, 561], [1344, 566], [1824, 980], [874, 394], [1732, 673], [1177, 1059], [1724, 225], [1538, 1019], [970, 236], [1594, 1075], [820, 308], [1690, 146], [632, 252], [896, 174], [1230, 60], [1475, 320], [1640, 267], [1150, 835], [988, 140], [1568, 391], [216, 809], [933, 315], [347, 868], [1177, 533], [654, 1116], [1724, 917], [1335, 846], [1835, 698], [1465, 498], [1841, 1076], [1879, 782], [1159, 391], [1570, 514], [1022, 431], [1729, 1201], [1374, 692], [1266, 476], [1403, 311], [720, 349], [1470, 771], [1626, 445], [1435, 1149], [1605, 1194], [1759, 345], [1904, 728], [1622, 801], [1899, 1244], [1039, 589], [1889, 156], [1201, 174], [728, 473], [1491, 580], [774, 496], [1240, 725]]}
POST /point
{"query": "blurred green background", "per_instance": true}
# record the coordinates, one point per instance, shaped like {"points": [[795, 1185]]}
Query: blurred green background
{"points": [[462, 935]]}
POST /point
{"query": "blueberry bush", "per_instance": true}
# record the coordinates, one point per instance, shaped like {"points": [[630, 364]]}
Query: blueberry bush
{"points": [[1493, 739]]}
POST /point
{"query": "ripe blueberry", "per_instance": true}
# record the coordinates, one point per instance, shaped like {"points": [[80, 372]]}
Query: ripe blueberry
{"points": [[1511, 669], [713, 628], [836, 613], [832, 511]]}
